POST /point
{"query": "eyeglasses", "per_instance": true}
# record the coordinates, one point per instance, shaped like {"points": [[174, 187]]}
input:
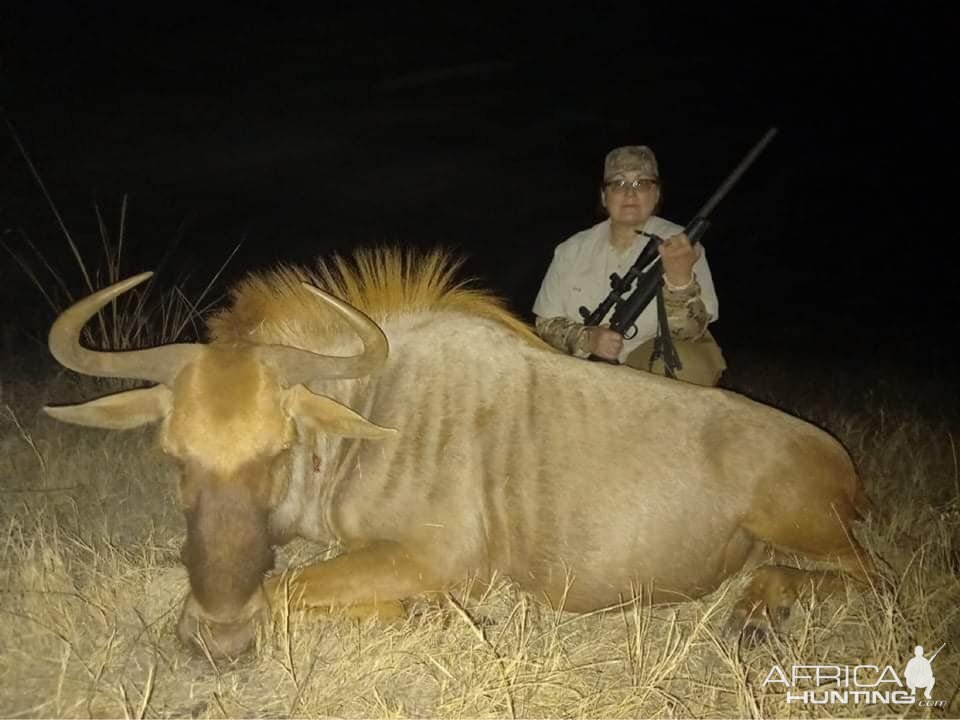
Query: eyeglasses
{"points": [[638, 185]]}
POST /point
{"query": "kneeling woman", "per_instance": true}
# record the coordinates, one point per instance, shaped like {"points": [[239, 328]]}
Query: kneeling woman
{"points": [[579, 275]]}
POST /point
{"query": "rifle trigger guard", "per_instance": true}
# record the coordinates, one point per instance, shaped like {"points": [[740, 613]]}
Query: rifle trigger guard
{"points": [[630, 333]]}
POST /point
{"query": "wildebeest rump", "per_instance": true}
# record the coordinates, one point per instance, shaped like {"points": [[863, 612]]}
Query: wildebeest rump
{"points": [[432, 435]]}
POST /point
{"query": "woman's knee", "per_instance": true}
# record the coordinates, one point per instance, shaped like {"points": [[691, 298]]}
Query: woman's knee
{"points": [[702, 361]]}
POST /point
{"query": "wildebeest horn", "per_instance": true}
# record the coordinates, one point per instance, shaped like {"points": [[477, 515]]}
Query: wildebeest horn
{"points": [[159, 364], [298, 366]]}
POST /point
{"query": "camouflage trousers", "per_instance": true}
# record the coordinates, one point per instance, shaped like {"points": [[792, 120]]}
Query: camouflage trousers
{"points": [[702, 360]]}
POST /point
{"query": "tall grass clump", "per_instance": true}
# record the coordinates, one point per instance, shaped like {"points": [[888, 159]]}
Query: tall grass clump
{"points": [[147, 315]]}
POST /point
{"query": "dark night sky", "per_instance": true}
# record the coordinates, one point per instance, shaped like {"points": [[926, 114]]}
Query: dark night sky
{"points": [[354, 126]]}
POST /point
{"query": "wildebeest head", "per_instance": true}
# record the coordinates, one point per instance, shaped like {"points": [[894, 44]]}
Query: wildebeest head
{"points": [[228, 415]]}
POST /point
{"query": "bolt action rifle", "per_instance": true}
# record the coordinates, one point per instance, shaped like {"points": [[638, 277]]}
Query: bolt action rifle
{"points": [[647, 272]]}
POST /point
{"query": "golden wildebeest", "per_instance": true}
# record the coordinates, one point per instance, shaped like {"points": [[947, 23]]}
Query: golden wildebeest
{"points": [[470, 448]]}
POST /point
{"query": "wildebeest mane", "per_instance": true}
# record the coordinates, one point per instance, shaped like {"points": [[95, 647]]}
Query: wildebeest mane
{"points": [[272, 307]]}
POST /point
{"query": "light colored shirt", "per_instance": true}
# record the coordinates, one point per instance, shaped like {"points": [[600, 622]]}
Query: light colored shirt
{"points": [[579, 276]]}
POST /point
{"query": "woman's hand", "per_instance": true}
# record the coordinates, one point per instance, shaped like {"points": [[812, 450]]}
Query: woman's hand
{"points": [[678, 257], [604, 342]]}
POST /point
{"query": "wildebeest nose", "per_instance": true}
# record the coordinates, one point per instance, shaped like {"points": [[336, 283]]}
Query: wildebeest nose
{"points": [[222, 640]]}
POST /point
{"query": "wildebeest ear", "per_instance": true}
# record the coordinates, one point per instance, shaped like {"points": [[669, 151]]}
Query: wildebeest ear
{"points": [[121, 411], [329, 416]]}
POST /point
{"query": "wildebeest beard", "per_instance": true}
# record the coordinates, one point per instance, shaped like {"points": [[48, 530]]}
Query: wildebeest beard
{"points": [[227, 551]]}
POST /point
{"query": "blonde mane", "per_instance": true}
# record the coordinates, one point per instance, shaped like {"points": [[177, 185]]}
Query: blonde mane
{"points": [[272, 307]]}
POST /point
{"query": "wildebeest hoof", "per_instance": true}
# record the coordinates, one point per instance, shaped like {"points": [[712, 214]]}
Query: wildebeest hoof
{"points": [[484, 621], [749, 630], [753, 635]]}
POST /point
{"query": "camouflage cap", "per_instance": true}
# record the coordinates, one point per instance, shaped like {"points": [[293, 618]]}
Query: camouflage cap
{"points": [[630, 158]]}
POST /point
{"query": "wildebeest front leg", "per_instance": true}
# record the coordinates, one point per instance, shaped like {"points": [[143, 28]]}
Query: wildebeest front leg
{"points": [[368, 581], [772, 591], [815, 523]]}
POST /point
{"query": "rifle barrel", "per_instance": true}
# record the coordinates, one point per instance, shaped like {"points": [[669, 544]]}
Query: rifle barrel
{"points": [[734, 176]]}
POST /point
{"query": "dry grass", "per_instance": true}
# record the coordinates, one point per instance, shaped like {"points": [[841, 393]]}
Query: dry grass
{"points": [[91, 587]]}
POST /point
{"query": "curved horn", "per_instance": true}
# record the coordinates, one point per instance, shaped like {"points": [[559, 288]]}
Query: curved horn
{"points": [[159, 364], [298, 366]]}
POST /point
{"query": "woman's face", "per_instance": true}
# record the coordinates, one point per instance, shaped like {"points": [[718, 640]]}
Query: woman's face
{"points": [[630, 197]]}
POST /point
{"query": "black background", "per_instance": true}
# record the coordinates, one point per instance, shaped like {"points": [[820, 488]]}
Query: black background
{"points": [[306, 132]]}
